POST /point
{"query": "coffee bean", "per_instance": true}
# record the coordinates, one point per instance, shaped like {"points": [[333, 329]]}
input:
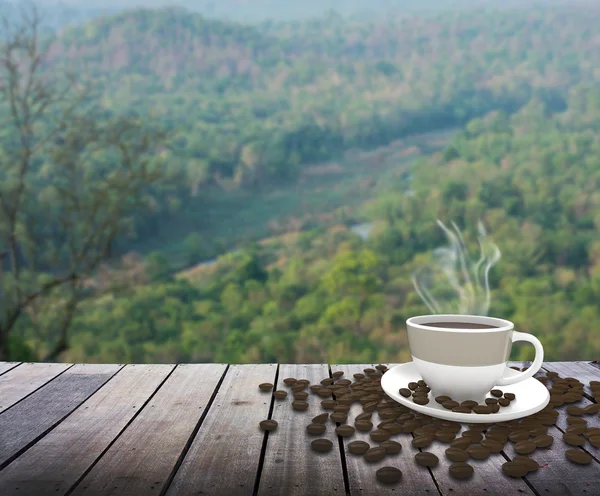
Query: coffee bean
{"points": [[520, 435], [461, 443], [495, 408], [426, 459], [461, 409], [514, 469], [358, 447], [370, 407], [280, 395], [470, 404], [324, 392], [290, 381], [591, 432], [339, 417], [388, 475], [482, 410], [422, 441], [573, 440], [391, 447], [544, 441], [460, 470], [364, 416], [492, 445], [503, 402], [578, 456], [321, 445], [363, 425], [412, 386], [574, 410], [315, 388], [420, 401], [328, 404], [359, 376], [341, 409], [445, 436], [576, 420], [304, 382], [552, 375], [268, 425], [345, 430], [344, 382], [478, 452], [299, 387], [299, 405], [491, 401], [525, 447], [265, 386], [594, 441], [441, 399], [374, 454], [457, 455], [530, 463], [315, 428], [393, 428], [450, 404], [327, 381], [369, 371], [509, 396], [591, 409], [321, 418], [496, 393], [538, 431], [475, 436], [405, 392], [379, 435], [300, 395], [338, 374]]}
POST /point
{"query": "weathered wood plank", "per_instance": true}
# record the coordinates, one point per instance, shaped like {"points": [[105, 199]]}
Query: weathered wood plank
{"points": [[558, 476], [24, 380], [143, 457], [33, 417], [290, 466], [6, 366], [224, 456], [59, 459], [488, 477], [361, 475]]}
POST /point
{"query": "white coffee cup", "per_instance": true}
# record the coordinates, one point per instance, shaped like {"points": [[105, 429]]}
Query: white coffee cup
{"points": [[465, 356]]}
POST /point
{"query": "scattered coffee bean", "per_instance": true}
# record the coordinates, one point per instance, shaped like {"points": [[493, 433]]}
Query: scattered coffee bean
{"points": [[576, 420], [321, 418], [290, 381], [594, 441], [574, 410], [525, 447], [441, 399], [503, 402], [514, 469], [509, 396], [268, 425], [493, 445], [519, 435], [304, 382], [457, 455], [321, 445], [374, 454], [299, 405], [573, 440], [450, 404], [391, 447], [358, 447], [338, 374], [412, 386], [445, 436], [530, 463], [328, 404], [369, 371], [364, 416], [341, 409], [491, 401], [379, 435], [591, 409], [363, 425], [388, 475], [478, 452], [461, 443], [315, 428], [421, 401], [578, 456], [543, 441], [265, 386], [426, 459], [496, 393], [422, 441], [474, 435], [461, 409], [460, 470], [482, 410], [280, 395], [405, 392], [339, 417], [470, 404], [299, 387], [345, 430], [538, 431], [300, 395]]}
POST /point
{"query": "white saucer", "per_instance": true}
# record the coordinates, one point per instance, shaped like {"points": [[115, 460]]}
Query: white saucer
{"points": [[531, 397]]}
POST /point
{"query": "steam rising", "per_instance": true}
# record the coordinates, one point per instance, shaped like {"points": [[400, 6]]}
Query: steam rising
{"points": [[460, 285]]}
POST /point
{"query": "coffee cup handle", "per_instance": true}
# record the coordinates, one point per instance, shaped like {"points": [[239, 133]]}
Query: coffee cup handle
{"points": [[535, 366]]}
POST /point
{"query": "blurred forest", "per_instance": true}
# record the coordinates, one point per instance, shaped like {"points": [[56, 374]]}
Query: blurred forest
{"points": [[250, 108]]}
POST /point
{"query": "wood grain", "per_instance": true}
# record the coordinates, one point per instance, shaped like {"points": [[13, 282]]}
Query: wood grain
{"points": [[361, 475], [558, 476], [290, 466], [141, 460], [6, 366], [59, 459], [32, 418], [224, 455], [21, 381]]}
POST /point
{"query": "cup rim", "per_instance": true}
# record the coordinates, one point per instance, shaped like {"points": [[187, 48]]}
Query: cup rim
{"points": [[500, 325]]}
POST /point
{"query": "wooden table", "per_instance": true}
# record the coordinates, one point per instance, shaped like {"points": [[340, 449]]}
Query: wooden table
{"points": [[193, 429]]}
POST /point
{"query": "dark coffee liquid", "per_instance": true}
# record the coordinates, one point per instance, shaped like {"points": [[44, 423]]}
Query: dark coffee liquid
{"points": [[459, 325]]}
